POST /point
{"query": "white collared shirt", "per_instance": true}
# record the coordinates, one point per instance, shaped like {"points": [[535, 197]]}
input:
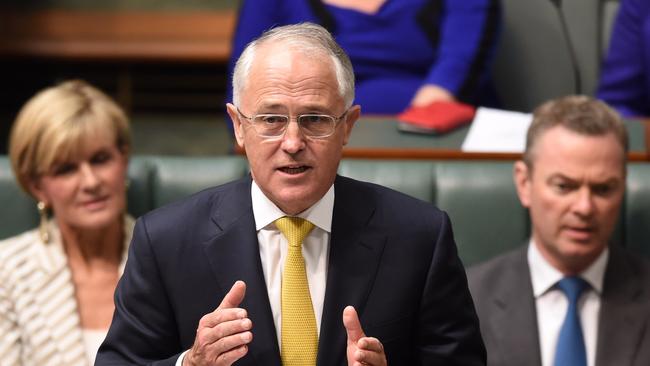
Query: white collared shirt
{"points": [[273, 250], [552, 304]]}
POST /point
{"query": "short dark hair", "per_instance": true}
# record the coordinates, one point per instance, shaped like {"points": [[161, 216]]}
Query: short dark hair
{"points": [[578, 113]]}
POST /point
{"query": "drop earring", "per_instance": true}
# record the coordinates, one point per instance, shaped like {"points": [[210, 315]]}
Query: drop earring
{"points": [[42, 227]]}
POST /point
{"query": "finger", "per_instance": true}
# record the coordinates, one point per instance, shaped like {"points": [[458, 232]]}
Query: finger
{"points": [[352, 324], [221, 316], [225, 337], [235, 296], [370, 344], [222, 330], [370, 352], [228, 358], [228, 346], [369, 358]]}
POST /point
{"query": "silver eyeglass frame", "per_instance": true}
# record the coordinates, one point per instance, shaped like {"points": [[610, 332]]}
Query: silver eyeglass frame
{"points": [[296, 118]]}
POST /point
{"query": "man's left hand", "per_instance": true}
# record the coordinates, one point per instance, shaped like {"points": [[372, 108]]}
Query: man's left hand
{"points": [[361, 350]]}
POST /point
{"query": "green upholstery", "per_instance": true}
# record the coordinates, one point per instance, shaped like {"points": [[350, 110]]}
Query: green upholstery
{"points": [[415, 178], [17, 211], [139, 195], [636, 234], [479, 196], [485, 211], [175, 177]]}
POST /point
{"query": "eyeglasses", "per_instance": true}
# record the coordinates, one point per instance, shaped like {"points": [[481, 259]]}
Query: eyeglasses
{"points": [[312, 125]]}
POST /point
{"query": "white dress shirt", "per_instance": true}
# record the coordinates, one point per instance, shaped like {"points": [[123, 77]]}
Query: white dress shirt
{"points": [[552, 304], [273, 250], [93, 338]]}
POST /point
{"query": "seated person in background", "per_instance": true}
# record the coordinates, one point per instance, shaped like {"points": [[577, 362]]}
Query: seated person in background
{"points": [[207, 282], [625, 74], [568, 298], [69, 150], [404, 53]]}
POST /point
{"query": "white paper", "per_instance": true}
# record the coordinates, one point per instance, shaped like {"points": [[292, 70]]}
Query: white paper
{"points": [[496, 130]]}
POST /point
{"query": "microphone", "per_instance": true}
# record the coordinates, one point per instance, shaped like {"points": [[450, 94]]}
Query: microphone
{"points": [[572, 52]]}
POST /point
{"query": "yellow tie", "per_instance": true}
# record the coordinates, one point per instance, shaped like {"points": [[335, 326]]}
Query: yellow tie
{"points": [[299, 336]]}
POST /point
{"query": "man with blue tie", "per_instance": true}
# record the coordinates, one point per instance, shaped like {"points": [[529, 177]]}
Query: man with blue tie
{"points": [[568, 298], [294, 265]]}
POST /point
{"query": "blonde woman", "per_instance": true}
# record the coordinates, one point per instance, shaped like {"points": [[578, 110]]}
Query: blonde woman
{"points": [[69, 149]]}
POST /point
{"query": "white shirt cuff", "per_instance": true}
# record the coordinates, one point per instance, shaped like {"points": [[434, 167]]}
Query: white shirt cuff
{"points": [[179, 361]]}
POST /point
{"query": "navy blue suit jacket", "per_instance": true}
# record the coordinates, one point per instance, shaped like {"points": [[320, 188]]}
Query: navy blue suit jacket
{"points": [[391, 256]]}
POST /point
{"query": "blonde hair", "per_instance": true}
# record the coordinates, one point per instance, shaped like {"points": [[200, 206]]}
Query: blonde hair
{"points": [[56, 123]]}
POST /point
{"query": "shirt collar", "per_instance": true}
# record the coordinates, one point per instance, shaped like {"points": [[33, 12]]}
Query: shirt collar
{"points": [[544, 276], [266, 212]]}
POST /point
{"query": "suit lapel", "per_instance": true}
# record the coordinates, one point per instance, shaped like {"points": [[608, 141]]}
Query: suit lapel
{"points": [[355, 252], [233, 255], [623, 317], [514, 320]]}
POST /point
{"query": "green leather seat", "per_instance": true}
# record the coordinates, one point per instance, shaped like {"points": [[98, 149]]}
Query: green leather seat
{"points": [[17, 210], [173, 178], [482, 202], [415, 178], [636, 210], [479, 196]]}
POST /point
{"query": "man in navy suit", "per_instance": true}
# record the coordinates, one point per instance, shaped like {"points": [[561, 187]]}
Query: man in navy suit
{"points": [[202, 285]]}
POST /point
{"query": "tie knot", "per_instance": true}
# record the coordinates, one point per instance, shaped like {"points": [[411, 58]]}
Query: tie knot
{"points": [[295, 229], [572, 287]]}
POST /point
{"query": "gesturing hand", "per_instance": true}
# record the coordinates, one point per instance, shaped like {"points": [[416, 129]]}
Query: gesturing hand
{"points": [[223, 335], [361, 350]]}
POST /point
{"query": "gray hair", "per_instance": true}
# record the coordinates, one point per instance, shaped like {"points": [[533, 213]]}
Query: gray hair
{"points": [[578, 113], [308, 38]]}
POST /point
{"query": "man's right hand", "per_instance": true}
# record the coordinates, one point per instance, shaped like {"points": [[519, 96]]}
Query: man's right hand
{"points": [[224, 334]]}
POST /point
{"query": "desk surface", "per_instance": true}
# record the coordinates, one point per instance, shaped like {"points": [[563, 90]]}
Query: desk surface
{"points": [[378, 137]]}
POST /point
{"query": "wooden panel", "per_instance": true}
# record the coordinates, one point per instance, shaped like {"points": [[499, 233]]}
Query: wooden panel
{"points": [[122, 5], [113, 36], [437, 154]]}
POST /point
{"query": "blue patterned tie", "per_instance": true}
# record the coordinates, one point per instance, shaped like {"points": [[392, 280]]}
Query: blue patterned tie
{"points": [[570, 349]]}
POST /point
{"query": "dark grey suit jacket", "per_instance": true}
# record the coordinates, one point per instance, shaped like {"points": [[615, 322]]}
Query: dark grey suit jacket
{"points": [[391, 256], [504, 300]]}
